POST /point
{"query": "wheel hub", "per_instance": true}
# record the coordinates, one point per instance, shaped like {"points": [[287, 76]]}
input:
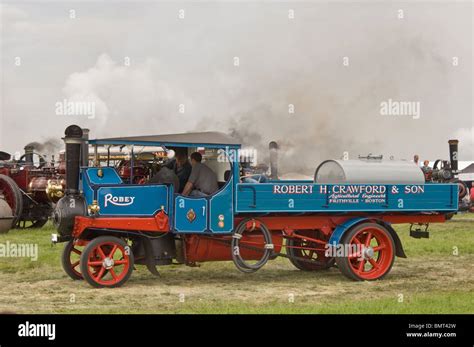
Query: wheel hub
{"points": [[108, 263], [368, 252]]}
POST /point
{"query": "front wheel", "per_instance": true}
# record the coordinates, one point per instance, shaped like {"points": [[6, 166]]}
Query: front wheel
{"points": [[70, 260], [368, 252], [107, 261]]}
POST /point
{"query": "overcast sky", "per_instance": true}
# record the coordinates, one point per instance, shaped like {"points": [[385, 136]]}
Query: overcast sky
{"points": [[310, 75]]}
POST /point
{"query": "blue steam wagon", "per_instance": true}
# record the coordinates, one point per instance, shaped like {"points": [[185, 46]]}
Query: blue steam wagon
{"points": [[111, 221]]}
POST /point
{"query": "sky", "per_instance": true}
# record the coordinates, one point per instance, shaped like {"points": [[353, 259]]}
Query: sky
{"points": [[311, 75]]}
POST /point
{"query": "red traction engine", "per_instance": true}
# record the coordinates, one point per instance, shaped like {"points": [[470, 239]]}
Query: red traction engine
{"points": [[30, 186]]}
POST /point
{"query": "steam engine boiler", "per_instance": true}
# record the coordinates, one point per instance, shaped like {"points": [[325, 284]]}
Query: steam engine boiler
{"points": [[30, 186]]}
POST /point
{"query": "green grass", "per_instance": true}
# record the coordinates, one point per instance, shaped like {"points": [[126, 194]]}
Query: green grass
{"points": [[449, 302], [433, 279], [444, 237]]}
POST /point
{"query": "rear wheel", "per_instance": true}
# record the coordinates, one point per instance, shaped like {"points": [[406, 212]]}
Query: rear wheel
{"points": [[106, 261], [308, 255], [370, 255], [13, 196]]}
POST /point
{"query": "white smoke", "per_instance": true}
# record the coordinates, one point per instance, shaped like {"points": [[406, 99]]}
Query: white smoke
{"points": [[466, 141], [128, 99], [282, 62]]}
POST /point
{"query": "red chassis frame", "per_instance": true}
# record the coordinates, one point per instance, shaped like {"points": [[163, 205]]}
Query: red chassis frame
{"points": [[307, 236], [287, 224], [200, 247]]}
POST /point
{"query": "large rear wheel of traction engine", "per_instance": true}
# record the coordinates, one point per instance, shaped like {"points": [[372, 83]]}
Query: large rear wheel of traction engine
{"points": [[107, 261], [13, 196], [374, 256]]}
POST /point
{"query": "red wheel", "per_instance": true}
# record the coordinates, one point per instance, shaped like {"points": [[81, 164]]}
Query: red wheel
{"points": [[12, 195], [463, 190], [71, 259], [370, 255], [106, 261], [312, 255]]}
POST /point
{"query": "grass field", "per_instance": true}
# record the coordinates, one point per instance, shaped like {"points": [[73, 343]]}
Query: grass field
{"points": [[437, 277]]}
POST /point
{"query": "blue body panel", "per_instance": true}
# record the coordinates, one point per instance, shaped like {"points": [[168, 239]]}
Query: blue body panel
{"points": [[109, 176], [118, 199], [309, 197], [132, 200], [215, 214], [186, 205], [221, 212]]}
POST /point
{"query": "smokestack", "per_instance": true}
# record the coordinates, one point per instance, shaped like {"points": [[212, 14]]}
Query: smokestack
{"points": [[85, 148], [29, 149], [73, 141], [453, 154], [273, 147]]}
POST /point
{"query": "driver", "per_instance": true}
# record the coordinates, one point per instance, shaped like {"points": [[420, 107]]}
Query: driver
{"points": [[202, 181]]}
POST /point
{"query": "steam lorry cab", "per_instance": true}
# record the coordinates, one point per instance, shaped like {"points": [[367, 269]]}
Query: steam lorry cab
{"points": [[344, 216]]}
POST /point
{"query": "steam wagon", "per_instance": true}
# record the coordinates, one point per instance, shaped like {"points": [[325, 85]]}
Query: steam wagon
{"points": [[344, 216]]}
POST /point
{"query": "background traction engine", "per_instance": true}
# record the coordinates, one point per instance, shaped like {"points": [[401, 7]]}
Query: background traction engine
{"points": [[30, 188]]}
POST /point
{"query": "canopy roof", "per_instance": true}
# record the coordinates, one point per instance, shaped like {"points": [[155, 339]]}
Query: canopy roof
{"points": [[468, 169], [211, 139]]}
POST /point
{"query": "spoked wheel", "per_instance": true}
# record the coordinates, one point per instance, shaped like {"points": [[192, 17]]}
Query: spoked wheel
{"points": [[308, 255], [106, 261], [12, 195], [371, 252], [462, 188], [71, 259], [34, 224]]}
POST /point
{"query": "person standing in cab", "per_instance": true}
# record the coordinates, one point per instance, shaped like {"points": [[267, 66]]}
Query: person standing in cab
{"points": [[181, 167]]}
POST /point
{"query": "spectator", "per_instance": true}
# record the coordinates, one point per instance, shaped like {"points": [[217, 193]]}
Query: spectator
{"points": [[416, 159], [426, 166], [427, 170]]}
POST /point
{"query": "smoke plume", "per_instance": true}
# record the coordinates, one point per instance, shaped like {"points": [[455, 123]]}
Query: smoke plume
{"points": [[314, 83]]}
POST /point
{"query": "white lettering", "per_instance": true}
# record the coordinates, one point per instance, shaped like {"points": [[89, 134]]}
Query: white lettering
{"points": [[37, 330], [118, 200]]}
